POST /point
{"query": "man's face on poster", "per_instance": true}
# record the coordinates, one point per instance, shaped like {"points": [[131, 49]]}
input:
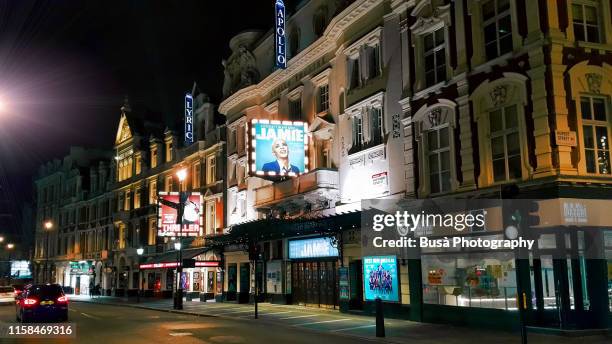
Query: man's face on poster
{"points": [[280, 149]]}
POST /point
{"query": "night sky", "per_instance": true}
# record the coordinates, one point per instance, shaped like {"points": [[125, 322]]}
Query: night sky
{"points": [[65, 67]]}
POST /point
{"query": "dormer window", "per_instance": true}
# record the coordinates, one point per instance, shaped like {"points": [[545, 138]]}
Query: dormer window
{"points": [[169, 151]]}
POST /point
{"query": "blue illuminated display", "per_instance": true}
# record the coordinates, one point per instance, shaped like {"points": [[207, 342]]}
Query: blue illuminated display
{"points": [[312, 248], [188, 119], [279, 33], [380, 278]]}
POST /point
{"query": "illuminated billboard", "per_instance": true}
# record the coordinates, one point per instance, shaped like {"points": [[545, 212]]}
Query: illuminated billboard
{"points": [[167, 224], [380, 279], [20, 269], [278, 148]]}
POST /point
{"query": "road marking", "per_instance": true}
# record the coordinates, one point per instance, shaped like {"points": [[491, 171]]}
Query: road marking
{"points": [[260, 314], [180, 334], [300, 316], [89, 316], [235, 312], [322, 322], [353, 328], [72, 310]]}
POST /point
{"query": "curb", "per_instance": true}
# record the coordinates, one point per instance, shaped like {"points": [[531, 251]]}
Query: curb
{"points": [[347, 335]]}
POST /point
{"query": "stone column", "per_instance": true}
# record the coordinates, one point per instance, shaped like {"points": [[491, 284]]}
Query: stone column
{"points": [[465, 137]]}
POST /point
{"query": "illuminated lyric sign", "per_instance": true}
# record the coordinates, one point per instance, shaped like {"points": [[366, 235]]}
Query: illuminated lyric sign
{"points": [[203, 264], [380, 278], [279, 35], [279, 148], [188, 119], [312, 248], [168, 224]]}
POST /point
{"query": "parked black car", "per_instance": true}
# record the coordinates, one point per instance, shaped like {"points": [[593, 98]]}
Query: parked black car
{"points": [[42, 302]]}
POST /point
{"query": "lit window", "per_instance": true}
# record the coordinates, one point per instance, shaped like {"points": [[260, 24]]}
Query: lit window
{"points": [[497, 27], [152, 191], [138, 164], [195, 175], [586, 22], [169, 151], [211, 168], [210, 218], [505, 143], [153, 157], [137, 198], [323, 98], [435, 57], [168, 183], [595, 129]]}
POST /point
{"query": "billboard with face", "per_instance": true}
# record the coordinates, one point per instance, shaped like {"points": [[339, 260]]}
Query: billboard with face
{"points": [[278, 148], [192, 215], [380, 278]]}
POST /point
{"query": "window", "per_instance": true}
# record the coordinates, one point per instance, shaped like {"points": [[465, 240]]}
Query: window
{"points": [[195, 175], [128, 200], [595, 130], [210, 218], [168, 186], [152, 192], [232, 141], [376, 123], [211, 168], [240, 139], [168, 151], [138, 164], [295, 108], [505, 143], [435, 57], [153, 157], [152, 235], [586, 22], [497, 28], [354, 80], [357, 130], [373, 59], [137, 198], [323, 98], [439, 159]]}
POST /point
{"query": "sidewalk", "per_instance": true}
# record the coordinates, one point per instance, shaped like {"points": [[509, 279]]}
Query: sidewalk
{"points": [[312, 319]]}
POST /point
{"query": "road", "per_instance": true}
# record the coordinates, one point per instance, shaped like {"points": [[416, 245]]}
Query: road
{"points": [[114, 324]]}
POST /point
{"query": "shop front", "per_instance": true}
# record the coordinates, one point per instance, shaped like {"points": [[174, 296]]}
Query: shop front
{"points": [[199, 282], [313, 272], [79, 277]]}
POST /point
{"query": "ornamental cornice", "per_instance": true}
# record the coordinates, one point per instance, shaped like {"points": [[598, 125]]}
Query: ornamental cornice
{"points": [[327, 43]]}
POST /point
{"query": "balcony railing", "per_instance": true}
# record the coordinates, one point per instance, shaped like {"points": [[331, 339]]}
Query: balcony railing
{"points": [[311, 181]]}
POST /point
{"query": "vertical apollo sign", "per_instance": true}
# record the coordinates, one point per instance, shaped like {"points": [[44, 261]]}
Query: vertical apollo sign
{"points": [[188, 119], [279, 33]]}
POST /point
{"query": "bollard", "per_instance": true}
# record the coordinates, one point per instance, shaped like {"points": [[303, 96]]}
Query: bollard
{"points": [[380, 318]]}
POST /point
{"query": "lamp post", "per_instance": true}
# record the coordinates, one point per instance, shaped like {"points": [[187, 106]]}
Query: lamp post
{"points": [[140, 251], [181, 174], [10, 247], [48, 226]]}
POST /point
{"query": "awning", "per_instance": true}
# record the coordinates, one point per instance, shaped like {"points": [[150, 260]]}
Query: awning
{"points": [[169, 259]]}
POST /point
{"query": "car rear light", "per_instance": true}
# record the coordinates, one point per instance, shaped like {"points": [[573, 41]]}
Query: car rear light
{"points": [[29, 302], [62, 299], [17, 292]]}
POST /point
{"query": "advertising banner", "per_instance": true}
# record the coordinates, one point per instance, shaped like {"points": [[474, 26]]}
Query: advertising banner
{"points": [[279, 33], [312, 248], [20, 269], [168, 216], [343, 284], [279, 148], [188, 119], [380, 278]]}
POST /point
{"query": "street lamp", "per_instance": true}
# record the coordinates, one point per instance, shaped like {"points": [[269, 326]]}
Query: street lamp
{"points": [[140, 251], [48, 227], [1, 239], [10, 247], [182, 175]]}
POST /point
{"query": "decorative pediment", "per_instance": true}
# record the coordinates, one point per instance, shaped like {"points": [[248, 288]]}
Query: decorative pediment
{"points": [[321, 129], [124, 132], [586, 78], [430, 15], [432, 116]]}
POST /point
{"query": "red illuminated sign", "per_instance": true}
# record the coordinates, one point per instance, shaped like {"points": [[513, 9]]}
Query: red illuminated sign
{"points": [[192, 216]]}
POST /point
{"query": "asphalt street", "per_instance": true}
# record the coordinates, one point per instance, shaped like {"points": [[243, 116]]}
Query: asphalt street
{"points": [[114, 324]]}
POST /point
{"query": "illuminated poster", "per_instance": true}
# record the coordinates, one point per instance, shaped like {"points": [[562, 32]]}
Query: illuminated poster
{"points": [[312, 248], [279, 148], [380, 278], [20, 269], [192, 215]]}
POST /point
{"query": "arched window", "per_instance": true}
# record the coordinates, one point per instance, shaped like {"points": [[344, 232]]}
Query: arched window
{"points": [[434, 134], [500, 116], [592, 97]]}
